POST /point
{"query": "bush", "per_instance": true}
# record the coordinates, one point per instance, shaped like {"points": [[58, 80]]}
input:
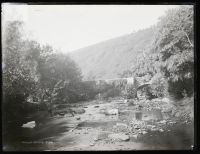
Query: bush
{"points": [[159, 86], [89, 90], [113, 92], [131, 92], [181, 88], [107, 90], [149, 92]]}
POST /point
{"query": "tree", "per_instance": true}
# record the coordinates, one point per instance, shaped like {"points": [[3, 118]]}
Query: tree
{"points": [[18, 77], [59, 78], [174, 41]]}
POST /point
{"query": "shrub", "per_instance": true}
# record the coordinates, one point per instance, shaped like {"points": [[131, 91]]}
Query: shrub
{"points": [[181, 88], [89, 90], [159, 86], [131, 92], [113, 92]]}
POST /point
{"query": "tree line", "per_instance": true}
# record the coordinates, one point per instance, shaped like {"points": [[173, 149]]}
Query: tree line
{"points": [[36, 74]]}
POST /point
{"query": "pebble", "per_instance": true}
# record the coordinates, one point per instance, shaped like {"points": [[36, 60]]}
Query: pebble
{"points": [[78, 118], [96, 139]]}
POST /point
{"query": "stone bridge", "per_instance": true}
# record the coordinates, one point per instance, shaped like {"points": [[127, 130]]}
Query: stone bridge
{"points": [[137, 81]]}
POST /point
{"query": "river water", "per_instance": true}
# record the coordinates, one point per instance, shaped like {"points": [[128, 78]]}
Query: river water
{"points": [[55, 133]]}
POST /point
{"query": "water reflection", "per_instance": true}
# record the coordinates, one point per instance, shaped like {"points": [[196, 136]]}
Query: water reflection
{"points": [[138, 115], [152, 115], [144, 115]]}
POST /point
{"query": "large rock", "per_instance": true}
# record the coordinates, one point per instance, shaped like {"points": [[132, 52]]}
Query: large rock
{"points": [[30, 124], [91, 144], [78, 110], [119, 137], [112, 112], [163, 122], [102, 111], [144, 132], [125, 101], [121, 125], [78, 118], [165, 99], [68, 115]]}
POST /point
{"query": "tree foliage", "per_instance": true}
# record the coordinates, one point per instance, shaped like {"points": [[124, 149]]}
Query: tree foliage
{"points": [[35, 74], [170, 57], [18, 73], [174, 42]]}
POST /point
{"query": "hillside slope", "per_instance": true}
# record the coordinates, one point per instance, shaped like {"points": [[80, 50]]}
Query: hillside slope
{"points": [[110, 58]]}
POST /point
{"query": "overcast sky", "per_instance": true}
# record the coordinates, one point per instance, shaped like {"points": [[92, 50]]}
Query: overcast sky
{"points": [[70, 27]]}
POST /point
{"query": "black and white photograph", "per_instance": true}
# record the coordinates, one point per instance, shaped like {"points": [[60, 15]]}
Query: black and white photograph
{"points": [[79, 77]]}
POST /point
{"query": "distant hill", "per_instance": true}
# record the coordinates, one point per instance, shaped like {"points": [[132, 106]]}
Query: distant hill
{"points": [[110, 58]]}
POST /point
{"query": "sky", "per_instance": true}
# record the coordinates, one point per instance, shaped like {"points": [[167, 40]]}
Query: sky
{"points": [[70, 27]]}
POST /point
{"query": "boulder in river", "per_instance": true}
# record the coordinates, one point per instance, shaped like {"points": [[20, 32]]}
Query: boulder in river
{"points": [[150, 126], [112, 112], [119, 137], [91, 144], [155, 129], [67, 115], [167, 100], [121, 124], [78, 118], [96, 139], [144, 132], [78, 110], [30, 124], [163, 122], [135, 136]]}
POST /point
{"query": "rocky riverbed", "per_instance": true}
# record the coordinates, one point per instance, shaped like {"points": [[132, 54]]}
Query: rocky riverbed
{"points": [[117, 124]]}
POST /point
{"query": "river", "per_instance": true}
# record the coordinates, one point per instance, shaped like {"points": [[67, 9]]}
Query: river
{"points": [[147, 130]]}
